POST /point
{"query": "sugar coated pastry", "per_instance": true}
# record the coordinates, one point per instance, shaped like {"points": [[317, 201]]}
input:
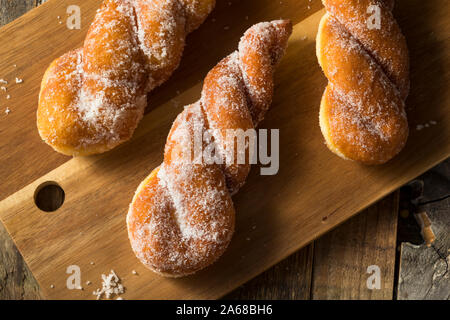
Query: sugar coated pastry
{"points": [[182, 217], [363, 53], [92, 98]]}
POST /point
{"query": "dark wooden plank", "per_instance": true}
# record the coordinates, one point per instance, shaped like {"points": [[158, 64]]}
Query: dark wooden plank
{"points": [[12, 9], [16, 280], [342, 257], [424, 270], [290, 279]]}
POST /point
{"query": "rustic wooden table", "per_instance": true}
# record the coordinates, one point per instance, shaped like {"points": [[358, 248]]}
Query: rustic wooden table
{"points": [[336, 266]]}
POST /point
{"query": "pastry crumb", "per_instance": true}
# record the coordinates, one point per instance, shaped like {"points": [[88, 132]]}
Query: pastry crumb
{"points": [[425, 125], [110, 286]]}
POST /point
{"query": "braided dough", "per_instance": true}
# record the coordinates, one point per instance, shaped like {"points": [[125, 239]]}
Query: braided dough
{"points": [[182, 217], [93, 98], [362, 112]]}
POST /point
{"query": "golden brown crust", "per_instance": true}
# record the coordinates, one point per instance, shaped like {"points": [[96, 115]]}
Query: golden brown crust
{"points": [[182, 216], [362, 112], [93, 98]]}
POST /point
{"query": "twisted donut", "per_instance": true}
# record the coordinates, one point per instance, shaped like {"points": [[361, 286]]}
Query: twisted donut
{"points": [[362, 112], [182, 217], [93, 98]]}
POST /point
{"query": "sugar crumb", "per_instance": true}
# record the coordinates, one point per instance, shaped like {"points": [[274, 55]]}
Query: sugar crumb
{"points": [[111, 286], [420, 127]]}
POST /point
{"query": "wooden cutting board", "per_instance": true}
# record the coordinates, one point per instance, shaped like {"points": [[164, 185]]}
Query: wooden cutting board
{"points": [[276, 215]]}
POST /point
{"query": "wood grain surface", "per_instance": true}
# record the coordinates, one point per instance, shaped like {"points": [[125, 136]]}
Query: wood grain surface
{"points": [[424, 270], [16, 280], [302, 206], [342, 256], [289, 280], [335, 265]]}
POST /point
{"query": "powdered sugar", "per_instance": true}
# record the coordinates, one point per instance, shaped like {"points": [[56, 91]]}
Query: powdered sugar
{"points": [[362, 112], [132, 47], [182, 218]]}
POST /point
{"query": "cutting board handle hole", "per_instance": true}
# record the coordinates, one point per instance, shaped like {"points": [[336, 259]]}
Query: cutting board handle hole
{"points": [[49, 196]]}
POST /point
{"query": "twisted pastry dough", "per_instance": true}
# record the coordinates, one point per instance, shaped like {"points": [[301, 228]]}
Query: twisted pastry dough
{"points": [[93, 98], [362, 112], [182, 217]]}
